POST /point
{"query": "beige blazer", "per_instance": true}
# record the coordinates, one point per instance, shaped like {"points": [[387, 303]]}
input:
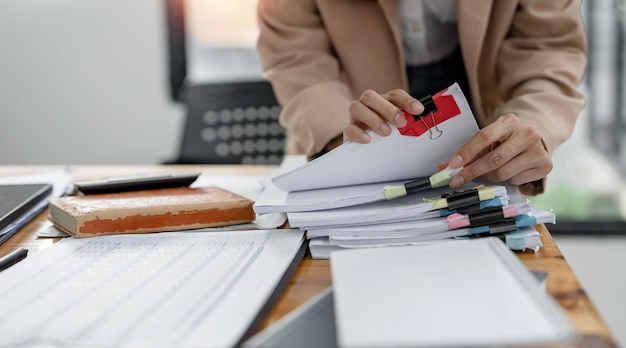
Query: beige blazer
{"points": [[526, 57]]}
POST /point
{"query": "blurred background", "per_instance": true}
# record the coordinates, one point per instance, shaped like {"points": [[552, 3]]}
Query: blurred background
{"points": [[127, 82]]}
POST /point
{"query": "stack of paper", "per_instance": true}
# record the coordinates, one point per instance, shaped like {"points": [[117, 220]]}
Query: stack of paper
{"points": [[409, 220], [339, 198]]}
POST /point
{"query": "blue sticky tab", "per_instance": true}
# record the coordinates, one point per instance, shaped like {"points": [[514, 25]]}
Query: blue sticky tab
{"points": [[493, 202], [446, 212], [478, 230], [515, 240], [525, 220]]}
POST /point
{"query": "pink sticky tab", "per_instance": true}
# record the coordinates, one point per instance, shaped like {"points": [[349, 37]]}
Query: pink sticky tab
{"points": [[510, 212], [457, 220]]}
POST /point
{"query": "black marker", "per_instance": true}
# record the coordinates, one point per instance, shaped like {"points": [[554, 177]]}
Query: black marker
{"points": [[13, 258]]}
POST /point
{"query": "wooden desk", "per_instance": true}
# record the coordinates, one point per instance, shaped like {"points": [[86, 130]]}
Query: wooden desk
{"points": [[313, 276]]}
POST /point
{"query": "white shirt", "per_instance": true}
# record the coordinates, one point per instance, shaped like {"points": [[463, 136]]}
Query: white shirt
{"points": [[429, 29]]}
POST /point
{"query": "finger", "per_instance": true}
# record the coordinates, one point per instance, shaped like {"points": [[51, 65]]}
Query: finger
{"points": [[487, 163], [498, 131], [364, 117], [383, 107], [508, 170], [529, 162], [404, 101], [490, 162], [355, 133], [521, 177], [527, 176], [441, 166]]}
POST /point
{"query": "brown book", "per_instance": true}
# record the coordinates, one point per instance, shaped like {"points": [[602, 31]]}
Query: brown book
{"points": [[160, 210]]}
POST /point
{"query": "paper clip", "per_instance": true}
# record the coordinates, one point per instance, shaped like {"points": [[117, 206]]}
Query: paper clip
{"points": [[429, 108]]}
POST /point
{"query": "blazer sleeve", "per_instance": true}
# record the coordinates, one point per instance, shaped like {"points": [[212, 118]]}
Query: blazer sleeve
{"points": [[298, 60], [541, 63]]}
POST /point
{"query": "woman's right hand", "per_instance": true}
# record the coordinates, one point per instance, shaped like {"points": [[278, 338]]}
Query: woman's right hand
{"points": [[374, 111]]}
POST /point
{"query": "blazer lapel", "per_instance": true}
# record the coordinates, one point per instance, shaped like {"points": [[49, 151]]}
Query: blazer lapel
{"points": [[390, 9], [473, 18]]}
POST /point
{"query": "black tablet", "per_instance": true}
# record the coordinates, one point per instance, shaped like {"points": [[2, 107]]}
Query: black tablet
{"points": [[18, 199]]}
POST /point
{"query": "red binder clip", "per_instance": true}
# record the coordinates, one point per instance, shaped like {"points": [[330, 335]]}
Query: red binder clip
{"points": [[437, 109]]}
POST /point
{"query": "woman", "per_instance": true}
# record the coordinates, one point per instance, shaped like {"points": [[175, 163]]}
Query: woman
{"points": [[341, 66]]}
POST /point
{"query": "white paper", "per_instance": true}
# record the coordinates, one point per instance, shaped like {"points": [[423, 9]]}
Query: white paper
{"points": [[384, 159], [395, 238], [151, 290], [275, 200], [61, 180], [414, 231], [414, 226], [247, 186], [466, 293], [402, 209], [526, 238], [321, 248]]}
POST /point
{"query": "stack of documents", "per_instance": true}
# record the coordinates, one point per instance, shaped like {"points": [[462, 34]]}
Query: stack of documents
{"points": [[413, 219], [339, 199]]}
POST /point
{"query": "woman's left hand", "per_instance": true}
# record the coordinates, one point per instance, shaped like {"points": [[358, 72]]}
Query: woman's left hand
{"points": [[506, 150]]}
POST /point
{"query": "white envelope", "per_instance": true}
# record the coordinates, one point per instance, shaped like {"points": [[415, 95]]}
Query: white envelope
{"points": [[390, 158]]}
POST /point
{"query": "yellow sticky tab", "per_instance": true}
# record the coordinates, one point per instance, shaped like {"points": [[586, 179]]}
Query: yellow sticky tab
{"points": [[440, 204], [485, 193]]}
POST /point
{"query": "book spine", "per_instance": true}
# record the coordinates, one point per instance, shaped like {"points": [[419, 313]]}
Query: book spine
{"points": [[146, 221]]}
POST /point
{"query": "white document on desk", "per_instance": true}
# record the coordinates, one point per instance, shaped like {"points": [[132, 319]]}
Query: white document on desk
{"points": [[390, 158], [154, 290], [473, 293]]}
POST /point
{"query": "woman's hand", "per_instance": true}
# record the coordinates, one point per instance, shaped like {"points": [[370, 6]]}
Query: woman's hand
{"points": [[506, 150], [373, 111]]}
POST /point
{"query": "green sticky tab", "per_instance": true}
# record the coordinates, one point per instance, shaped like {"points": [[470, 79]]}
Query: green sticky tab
{"points": [[393, 192], [439, 179]]}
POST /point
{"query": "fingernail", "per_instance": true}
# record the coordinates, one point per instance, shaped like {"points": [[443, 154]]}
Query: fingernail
{"points": [[365, 137], [385, 129], [399, 120], [417, 108], [457, 181], [456, 161]]}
